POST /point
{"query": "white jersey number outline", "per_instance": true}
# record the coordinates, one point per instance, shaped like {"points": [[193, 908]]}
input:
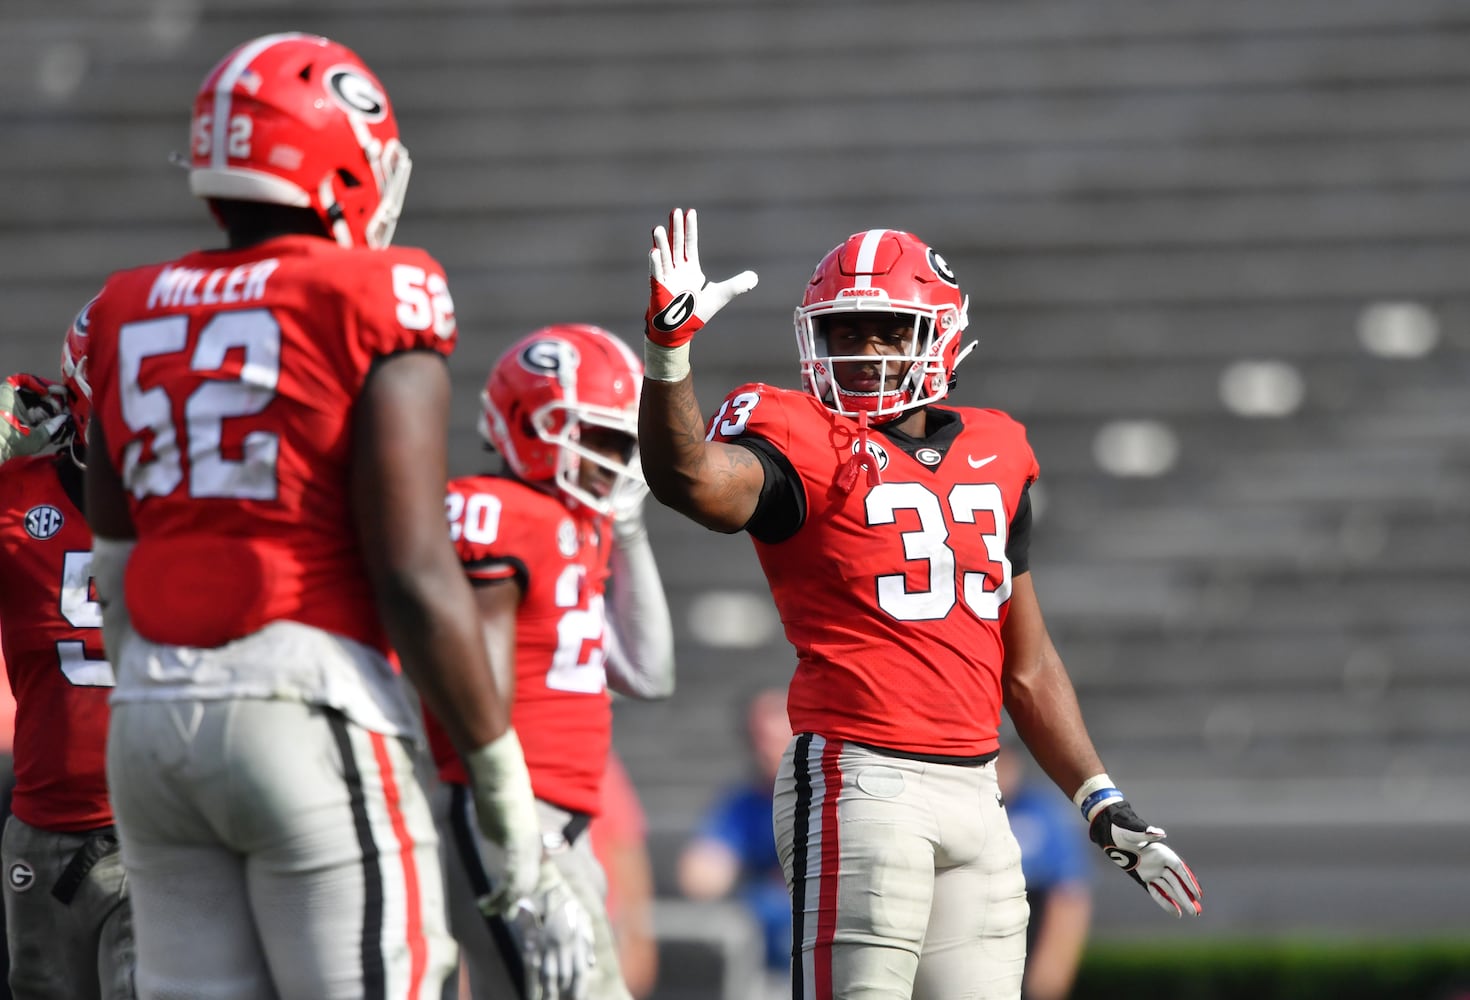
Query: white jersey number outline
{"points": [[930, 544], [150, 411], [579, 630], [80, 611], [476, 518]]}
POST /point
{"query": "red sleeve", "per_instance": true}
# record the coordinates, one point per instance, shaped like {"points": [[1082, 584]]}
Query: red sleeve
{"points": [[499, 527], [402, 303], [753, 408]]}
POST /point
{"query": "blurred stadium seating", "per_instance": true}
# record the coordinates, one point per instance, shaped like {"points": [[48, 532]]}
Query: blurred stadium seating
{"points": [[1219, 262]]}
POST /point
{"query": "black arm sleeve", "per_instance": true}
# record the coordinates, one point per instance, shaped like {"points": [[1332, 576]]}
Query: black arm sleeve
{"points": [[479, 570], [781, 510], [1018, 542]]}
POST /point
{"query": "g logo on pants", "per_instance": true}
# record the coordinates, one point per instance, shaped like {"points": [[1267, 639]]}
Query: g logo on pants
{"points": [[20, 877]]}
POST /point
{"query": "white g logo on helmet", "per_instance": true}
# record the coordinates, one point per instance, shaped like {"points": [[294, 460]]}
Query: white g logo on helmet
{"points": [[356, 93]]}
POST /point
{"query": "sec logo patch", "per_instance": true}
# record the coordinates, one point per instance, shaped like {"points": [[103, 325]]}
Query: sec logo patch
{"points": [[20, 877], [566, 538], [43, 522]]}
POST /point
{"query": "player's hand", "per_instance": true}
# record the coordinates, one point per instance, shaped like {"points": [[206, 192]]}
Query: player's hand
{"points": [[628, 526], [554, 931], [34, 419], [506, 812], [681, 299], [1138, 849]]}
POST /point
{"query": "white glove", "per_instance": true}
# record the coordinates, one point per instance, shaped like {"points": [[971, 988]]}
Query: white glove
{"points": [[628, 527], [1138, 849], [554, 932], [506, 811], [681, 299], [34, 419]]}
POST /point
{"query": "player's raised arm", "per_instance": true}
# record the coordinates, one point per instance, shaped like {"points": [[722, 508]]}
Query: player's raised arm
{"points": [[715, 484]]}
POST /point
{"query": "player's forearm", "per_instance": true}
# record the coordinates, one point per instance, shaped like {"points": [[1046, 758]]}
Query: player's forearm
{"points": [[641, 662], [714, 484], [431, 619], [671, 441], [1049, 721]]}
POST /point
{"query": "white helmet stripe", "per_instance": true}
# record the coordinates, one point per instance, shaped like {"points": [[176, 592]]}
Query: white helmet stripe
{"points": [[872, 239], [224, 87]]}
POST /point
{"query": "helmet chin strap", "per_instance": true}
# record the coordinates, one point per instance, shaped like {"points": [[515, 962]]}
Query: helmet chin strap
{"points": [[862, 460]]}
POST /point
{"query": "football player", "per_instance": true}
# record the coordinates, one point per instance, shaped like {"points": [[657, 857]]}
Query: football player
{"points": [[570, 595], [66, 902], [264, 484], [893, 531]]}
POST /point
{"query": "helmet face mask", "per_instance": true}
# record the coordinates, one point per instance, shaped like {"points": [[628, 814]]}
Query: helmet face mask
{"points": [[548, 392], [74, 377], [299, 120], [887, 273]]}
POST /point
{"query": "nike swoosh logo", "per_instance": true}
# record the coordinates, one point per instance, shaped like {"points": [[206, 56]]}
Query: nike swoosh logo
{"points": [[980, 463]]}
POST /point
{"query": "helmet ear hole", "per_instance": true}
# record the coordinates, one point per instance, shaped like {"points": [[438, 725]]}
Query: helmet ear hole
{"points": [[348, 179]]}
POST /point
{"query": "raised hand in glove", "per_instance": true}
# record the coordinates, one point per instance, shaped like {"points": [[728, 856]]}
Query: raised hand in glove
{"points": [[34, 419], [505, 810], [681, 299], [1138, 849], [554, 933]]}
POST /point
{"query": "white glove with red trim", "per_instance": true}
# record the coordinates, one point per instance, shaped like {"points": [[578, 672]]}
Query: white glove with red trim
{"points": [[1137, 848], [681, 299]]}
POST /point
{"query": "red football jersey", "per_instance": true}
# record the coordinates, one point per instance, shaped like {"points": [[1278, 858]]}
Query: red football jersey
{"points": [[225, 382], [51, 627], [893, 594], [504, 529]]}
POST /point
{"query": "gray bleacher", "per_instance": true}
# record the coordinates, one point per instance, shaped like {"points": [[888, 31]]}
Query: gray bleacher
{"points": [[1269, 638]]}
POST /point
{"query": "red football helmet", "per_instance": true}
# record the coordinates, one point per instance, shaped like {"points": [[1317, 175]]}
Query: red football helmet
{"points": [[541, 394], [299, 120], [74, 375], [888, 271]]}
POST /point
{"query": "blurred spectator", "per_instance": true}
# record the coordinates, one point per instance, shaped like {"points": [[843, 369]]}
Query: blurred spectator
{"points": [[733, 851], [1055, 859], [619, 841]]}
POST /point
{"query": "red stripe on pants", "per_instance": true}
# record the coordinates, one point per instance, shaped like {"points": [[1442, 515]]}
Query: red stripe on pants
{"points": [[418, 947], [828, 871]]}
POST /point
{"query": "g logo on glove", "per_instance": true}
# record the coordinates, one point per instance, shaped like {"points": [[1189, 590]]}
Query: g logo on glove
{"points": [[680, 298], [675, 314], [1138, 850]]}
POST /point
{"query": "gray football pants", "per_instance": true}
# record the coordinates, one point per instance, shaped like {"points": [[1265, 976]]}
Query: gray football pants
{"points": [[67, 918], [904, 875], [276, 851]]}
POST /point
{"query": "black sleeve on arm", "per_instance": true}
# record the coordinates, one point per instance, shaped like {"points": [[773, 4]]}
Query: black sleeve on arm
{"points": [[483, 572], [781, 510], [1018, 542]]}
